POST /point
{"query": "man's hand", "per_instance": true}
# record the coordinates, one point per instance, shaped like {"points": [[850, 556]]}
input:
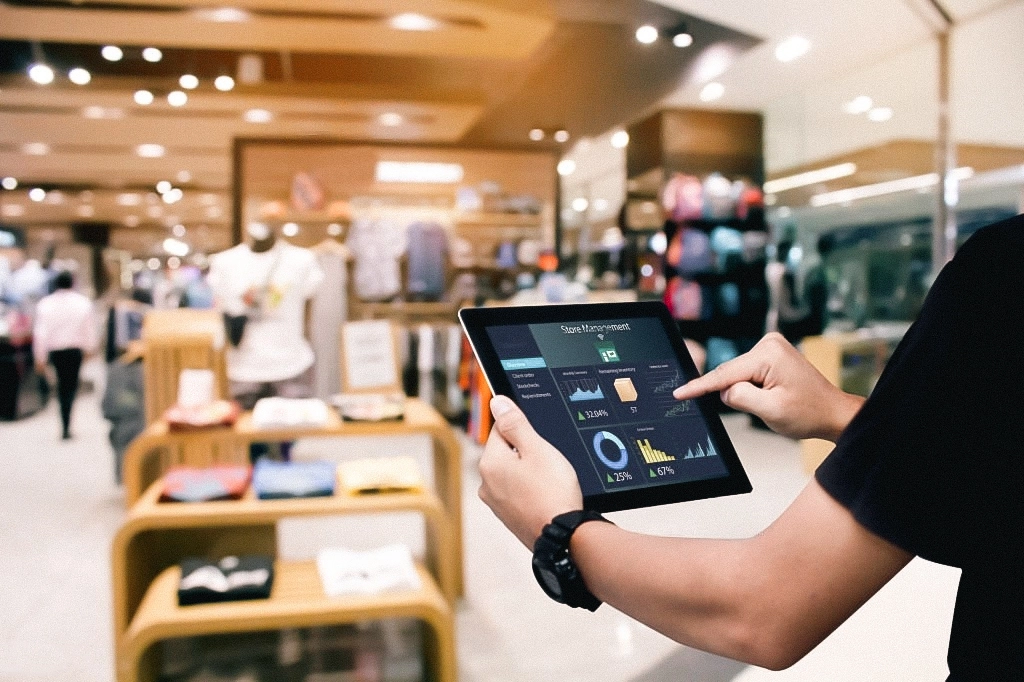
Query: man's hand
{"points": [[776, 383], [526, 481]]}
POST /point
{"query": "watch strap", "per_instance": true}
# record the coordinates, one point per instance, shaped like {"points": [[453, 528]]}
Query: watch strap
{"points": [[553, 546]]}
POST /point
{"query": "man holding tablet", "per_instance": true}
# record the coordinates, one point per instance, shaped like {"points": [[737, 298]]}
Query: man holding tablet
{"points": [[930, 465]]}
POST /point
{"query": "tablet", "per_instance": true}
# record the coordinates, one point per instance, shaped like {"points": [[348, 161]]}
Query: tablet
{"points": [[596, 380]]}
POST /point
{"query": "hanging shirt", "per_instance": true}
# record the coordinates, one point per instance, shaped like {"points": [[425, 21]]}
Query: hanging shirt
{"points": [[273, 287], [428, 256], [377, 244]]}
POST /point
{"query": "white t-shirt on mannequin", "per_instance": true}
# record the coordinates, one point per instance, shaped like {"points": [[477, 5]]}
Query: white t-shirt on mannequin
{"points": [[280, 280]]}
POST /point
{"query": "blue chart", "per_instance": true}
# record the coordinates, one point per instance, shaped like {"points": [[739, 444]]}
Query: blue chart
{"points": [[701, 450], [580, 390]]}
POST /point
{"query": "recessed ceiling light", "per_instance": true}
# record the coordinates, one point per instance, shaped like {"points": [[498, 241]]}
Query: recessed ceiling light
{"points": [[792, 48], [143, 97], [41, 74], [163, 186], [646, 34], [98, 112], [561, 136], [390, 119], [419, 171], [880, 114], [188, 81], [173, 196], [183, 176], [536, 134], [683, 39], [152, 54], [712, 91], [12, 210], [580, 204], [258, 116], [150, 151], [224, 83], [128, 199], [178, 230], [410, 21], [619, 139], [79, 76], [112, 53], [35, 149], [177, 98], [9, 183], [175, 247], [290, 229], [858, 105], [37, 194], [566, 167], [86, 211]]}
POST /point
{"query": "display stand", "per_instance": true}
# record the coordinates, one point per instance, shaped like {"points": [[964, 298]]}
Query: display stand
{"points": [[156, 536]]}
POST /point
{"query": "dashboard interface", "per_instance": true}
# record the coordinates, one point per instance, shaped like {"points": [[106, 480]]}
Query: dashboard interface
{"points": [[601, 392]]}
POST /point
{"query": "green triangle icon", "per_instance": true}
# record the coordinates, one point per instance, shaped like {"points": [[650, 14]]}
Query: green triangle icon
{"points": [[609, 478], [580, 417], [651, 472]]}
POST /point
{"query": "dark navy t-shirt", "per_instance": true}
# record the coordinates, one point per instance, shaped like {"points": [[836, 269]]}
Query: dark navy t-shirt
{"points": [[934, 461]]}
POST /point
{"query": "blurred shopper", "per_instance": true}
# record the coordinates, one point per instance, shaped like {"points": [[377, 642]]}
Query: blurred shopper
{"points": [[64, 333]]}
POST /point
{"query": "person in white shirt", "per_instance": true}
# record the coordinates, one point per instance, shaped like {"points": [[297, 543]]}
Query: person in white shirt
{"points": [[64, 333]]}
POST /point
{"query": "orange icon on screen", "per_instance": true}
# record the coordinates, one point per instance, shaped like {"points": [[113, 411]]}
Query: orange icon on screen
{"points": [[626, 390]]}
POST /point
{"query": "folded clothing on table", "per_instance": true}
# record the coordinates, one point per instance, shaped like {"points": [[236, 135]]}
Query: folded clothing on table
{"points": [[276, 480], [194, 484], [233, 578]]}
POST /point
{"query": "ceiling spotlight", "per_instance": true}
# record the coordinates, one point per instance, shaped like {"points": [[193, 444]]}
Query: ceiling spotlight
{"points": [[619, 139], [334, 229], [178, 230], [580, 204], [35, 149], [880, 114], [97, 112], [290, 229], [86, 211], [536, 134], [79, 76], [150, 151], [410, 21], [37, 194], [566, 167], [177, 98], [9, 183], [390, 119], [257, 116], [646, 34], [173, 196], [858, 105], [681, 36], [152, 54], [41, 74], [224, 83], [112, 53], [792, 48], [712, 91], [561, 136], [163, 186], [222, 15], [143, 97], [188, 81], [183, 176]]}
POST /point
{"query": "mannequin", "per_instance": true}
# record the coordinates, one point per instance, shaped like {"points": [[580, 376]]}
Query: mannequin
{"points": [[270, 282]]}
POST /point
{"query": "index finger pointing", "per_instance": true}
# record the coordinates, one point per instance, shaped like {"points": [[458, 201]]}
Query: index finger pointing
{"points": [[737, 370]]}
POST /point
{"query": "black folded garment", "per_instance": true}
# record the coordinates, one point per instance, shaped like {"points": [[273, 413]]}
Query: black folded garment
{"points": [[233, 578]]}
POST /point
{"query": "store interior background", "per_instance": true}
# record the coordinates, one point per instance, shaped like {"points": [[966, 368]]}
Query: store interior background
{"points": [[81, 165]]}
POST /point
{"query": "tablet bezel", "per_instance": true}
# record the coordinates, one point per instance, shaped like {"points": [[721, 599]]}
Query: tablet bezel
{"points": [[475, 322]]}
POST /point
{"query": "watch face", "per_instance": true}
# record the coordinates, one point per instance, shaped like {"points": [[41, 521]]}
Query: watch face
{"points": [[549, 581]]}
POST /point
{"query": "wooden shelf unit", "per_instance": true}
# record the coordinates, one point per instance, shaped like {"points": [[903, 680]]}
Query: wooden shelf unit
{"points": [[156, 536]]}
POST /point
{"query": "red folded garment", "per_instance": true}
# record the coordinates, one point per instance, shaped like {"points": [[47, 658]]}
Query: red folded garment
{"points": [[192, 484]]}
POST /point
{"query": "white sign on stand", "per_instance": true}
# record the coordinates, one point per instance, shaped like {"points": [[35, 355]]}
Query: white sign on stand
{"points": [[369, 357]]}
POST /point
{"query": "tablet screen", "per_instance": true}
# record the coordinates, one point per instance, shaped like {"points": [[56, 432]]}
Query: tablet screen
{"points": [[601, 392]]}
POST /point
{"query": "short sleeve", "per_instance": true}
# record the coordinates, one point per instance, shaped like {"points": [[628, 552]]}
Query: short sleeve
{"points": [[932, 461]]}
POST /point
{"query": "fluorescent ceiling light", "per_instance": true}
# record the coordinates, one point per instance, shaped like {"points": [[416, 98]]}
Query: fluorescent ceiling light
{"points": [[35, 149], [566, 167], [390, 119], [177, 98], [152, 54], [41, 74], [98, 112], [880, 114], [37, 194], [811, 177], [410, 21], [9, 183], [188, 81], [13, 210], [712, 91], [858, 105], [112, 53], [646, 34], [79, 76], [143, 97], [150, 151], [619, 139], [222, 15], [792, 48], [224, 83], [418, 171], [257, 116], [880, 188]]}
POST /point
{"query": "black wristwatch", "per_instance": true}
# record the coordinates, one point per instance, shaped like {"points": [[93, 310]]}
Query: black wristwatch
{"points": [[554, 568]]}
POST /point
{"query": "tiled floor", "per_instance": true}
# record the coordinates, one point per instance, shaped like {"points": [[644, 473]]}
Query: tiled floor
{"points": [[59, 510]]}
